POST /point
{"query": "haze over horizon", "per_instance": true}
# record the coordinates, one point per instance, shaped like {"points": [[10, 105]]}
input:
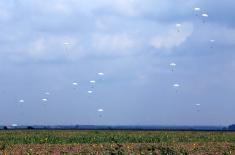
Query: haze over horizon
{"points": [[51, 50]]}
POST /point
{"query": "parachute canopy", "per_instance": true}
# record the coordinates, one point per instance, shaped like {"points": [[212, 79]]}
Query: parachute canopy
{"points": [[172, 64], [14, 125], [178, 25], [44, 100], [21, 101], [100, 110], [75, 83], [176, 85], [205, 15], [90, 92], [92, 81], [66, 43]]}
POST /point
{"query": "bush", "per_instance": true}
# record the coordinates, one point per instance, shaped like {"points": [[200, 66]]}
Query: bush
{"points": [[231, 127]]}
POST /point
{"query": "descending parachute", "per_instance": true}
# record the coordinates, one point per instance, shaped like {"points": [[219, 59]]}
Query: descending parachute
{"points": [[101, 74], [75, 83], [212, 42], [178, 27], [14, 125], [176, 85], [204, 15], [93, 81], [21, 101], [197, 10], [100, 112], [198, 105], [90, 92], [44, 100], [66, 44], [173, 66]]}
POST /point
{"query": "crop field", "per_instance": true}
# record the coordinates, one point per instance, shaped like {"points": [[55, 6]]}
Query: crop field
{"points": [[116, 142]]}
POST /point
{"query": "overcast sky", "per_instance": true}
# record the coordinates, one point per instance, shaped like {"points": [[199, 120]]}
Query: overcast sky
{"points": [[133, 43]]}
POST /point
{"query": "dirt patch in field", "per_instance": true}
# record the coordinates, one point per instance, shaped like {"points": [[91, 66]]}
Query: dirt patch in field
{"points": [[128, 148]]}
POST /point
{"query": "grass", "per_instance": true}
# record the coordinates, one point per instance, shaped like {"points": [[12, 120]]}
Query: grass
{"points": [[115, 142]]}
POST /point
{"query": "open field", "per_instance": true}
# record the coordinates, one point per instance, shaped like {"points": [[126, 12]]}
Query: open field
{"points": [[115, 142]]}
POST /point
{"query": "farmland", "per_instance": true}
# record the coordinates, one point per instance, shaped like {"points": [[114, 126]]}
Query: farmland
{"points": [[115, 142]]}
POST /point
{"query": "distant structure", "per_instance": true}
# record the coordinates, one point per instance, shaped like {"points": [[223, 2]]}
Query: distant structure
{"points": [[30, 127], [231, 127]]}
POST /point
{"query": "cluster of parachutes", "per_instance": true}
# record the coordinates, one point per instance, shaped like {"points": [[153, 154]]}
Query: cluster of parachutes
{"points": [[204, 16], [176, 86], [45, 100], [74, 84]]}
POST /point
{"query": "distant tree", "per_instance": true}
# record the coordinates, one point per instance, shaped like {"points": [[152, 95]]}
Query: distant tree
{"points": [[30, 127], [232, 127], [5, 128], [224, 128]]}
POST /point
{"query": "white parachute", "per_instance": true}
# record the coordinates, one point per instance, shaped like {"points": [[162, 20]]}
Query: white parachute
{"points": [[93, 81], [205, 15], [14, 125], [173, 66], [198, 107], [90, 91], [178, 27], [100, 110], [66, 45], [101, 74], [212, 40], [21, 101], [75, 83], [197, 9], [44, 100], [212, 43], [176, 85]]}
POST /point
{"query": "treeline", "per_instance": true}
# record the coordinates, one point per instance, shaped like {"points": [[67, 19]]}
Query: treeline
{"points": [[91, 127]]}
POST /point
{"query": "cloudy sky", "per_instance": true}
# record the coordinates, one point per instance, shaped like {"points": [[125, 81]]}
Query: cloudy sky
{"points": [[132, 42]]}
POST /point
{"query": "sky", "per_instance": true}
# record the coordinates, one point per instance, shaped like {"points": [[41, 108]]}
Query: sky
{"points": [[133, 43]]}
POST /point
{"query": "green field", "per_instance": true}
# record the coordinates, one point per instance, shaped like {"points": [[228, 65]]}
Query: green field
{"points": [[115, 142]]}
